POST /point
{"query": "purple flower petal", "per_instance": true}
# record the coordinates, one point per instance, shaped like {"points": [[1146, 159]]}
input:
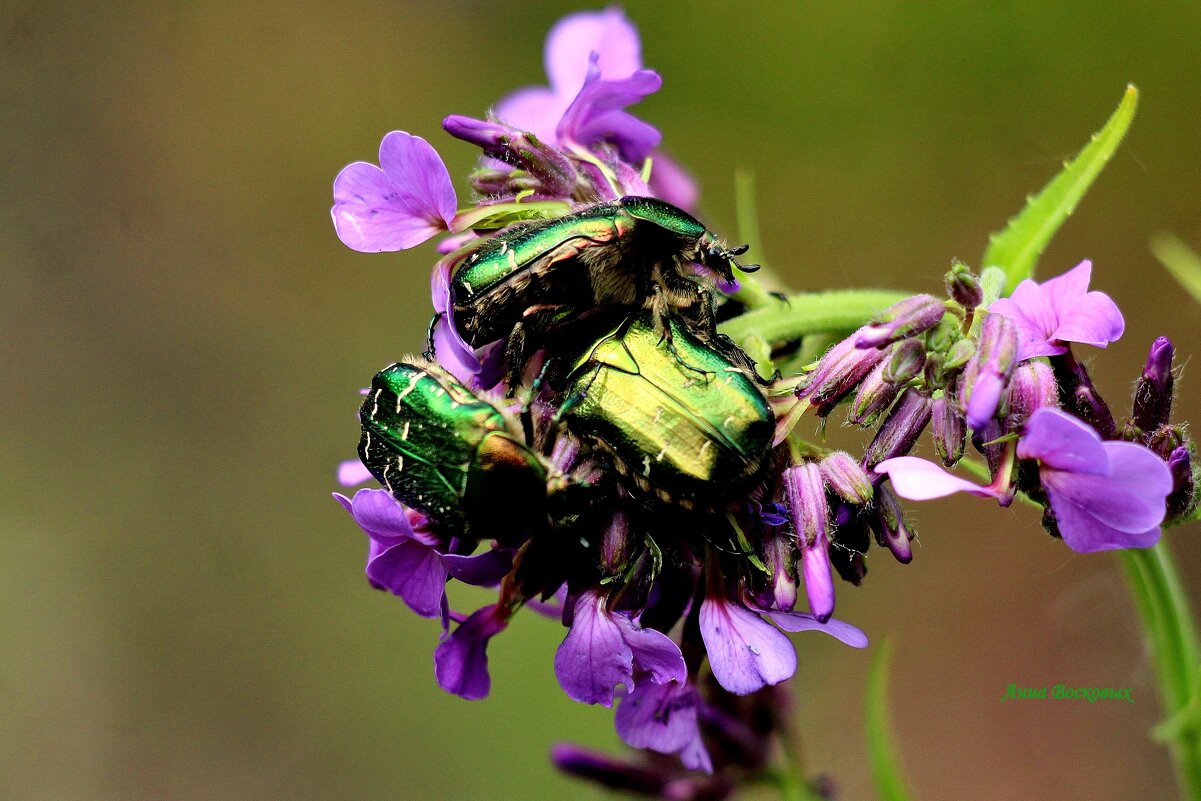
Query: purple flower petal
{"points": [[986, 395], [663, 718], [597, 113], [400, 204], [1121, 510], [353, 472], [1093, 320], [655, 654], [1062, 442], [799, 621], [380, 515], [452, 353], [745, 651], [1063, 291], [593, 658], [482, 569], [461, 661], [1060, 310], [411, 570], [608, 34], [921, 480]]}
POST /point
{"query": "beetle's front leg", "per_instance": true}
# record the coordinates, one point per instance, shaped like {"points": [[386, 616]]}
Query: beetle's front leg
{"points": [[527, 336]]}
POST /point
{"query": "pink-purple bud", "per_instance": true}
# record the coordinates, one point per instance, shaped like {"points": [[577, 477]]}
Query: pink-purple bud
{"points": [[615, 545], [779, 556], [963, 286], [986, 375], [890, 528], [900, 431], [846, 478], [1153, 393], [949, 429], [875, 394], [806, 495], [838, 373], [908, 318], [609, 771], [1183, 499], [520, 149], [1031, 388]]}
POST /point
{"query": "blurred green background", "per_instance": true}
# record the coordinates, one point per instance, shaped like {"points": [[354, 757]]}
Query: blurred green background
{"points": [[182, 608]]}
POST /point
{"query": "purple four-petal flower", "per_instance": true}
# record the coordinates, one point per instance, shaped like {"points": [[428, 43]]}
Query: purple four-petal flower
{"points": [[1058, 311]]}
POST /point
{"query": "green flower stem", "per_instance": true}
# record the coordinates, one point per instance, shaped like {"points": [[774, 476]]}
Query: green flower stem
{"points": [[808, 313], [1172, 637]]}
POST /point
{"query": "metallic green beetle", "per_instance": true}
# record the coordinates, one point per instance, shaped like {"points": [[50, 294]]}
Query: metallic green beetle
{"points": [[631, 252], [450, 454], [690, 427]]}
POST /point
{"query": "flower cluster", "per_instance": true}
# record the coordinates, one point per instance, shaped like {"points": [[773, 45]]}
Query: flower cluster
{"points": [[581, 438]]}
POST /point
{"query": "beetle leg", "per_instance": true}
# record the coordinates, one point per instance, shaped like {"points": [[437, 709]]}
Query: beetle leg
{"points": [[527, 336]]}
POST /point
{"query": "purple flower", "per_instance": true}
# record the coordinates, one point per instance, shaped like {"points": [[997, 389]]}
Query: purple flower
{"points": [[402, 558], [598, 113], [746, 652], [663, 718], [602, 649], [461, 661], [402, 203], [450, 350], [1104, 495], [567, 58], [1058, 311]]}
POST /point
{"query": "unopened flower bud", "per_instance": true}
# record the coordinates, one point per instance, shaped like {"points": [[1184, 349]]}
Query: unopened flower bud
{"points": [[890, 528], [875, 394], [906, 362], [615, 545], [987, 373], [838, 373], [959, 354], [949, 429], [806, 493], [1183, 497], [963, 286], [608, 771], [900, 431], [779, 558], [846, 478], [1153, 393], [518, 148], [1031, 388], [905, 319]]}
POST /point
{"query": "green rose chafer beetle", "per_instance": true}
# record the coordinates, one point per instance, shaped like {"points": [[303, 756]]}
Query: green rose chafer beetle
{"points": [[451, 455], [689, 427], [632, 252]]}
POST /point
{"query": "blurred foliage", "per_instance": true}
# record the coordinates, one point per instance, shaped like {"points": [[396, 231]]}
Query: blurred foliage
{"points": [[182, 608]]}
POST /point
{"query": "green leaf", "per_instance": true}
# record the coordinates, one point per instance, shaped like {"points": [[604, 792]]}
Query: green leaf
{"points": [[1017, 248], [886, 768], [1182, 261]]}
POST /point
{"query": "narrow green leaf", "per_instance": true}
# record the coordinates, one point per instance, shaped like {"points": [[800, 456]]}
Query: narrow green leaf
{"points": [[1017, 248], [1182, 262], [886, 768]]}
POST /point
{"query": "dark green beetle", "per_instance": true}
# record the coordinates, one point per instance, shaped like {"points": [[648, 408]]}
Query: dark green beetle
{"points": [[690, 427], [633, 252], [450, 454]]}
